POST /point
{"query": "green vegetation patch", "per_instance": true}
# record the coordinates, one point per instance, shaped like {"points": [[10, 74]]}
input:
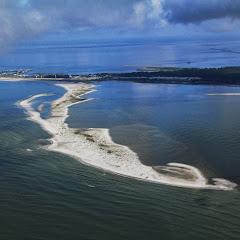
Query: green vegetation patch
{"points": [[88, 136]]}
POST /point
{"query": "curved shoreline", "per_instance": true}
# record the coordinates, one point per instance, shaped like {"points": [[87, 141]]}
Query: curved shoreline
{"points": [[96, 148]]}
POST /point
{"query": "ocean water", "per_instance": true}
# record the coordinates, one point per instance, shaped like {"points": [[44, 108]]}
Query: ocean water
{"points": [[83, 57], [47, 195], [169, 123]]}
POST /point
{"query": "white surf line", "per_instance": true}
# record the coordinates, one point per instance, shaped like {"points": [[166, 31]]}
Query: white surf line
{"points": [[95, 147]]}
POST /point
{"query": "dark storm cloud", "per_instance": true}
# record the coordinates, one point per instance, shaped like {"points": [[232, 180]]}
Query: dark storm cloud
{"points": [[195, 11]]}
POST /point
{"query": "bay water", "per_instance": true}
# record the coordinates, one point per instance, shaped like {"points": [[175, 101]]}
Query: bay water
{"points": [[48, 195]]}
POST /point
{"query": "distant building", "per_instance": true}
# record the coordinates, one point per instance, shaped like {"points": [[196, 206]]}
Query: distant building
{"points": [[52, 75]]}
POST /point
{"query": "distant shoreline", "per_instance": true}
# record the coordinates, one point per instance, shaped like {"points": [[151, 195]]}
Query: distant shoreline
{"points": [[147, 74]]}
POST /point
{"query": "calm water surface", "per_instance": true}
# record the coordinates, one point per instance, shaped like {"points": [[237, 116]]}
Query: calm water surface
{"points": [[47, 195], [78, 57], [169, 123]]}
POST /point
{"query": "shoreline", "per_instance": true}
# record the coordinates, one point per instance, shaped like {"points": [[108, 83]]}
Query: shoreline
{"points": [[158, 80], [220, 76], [95, 147]]}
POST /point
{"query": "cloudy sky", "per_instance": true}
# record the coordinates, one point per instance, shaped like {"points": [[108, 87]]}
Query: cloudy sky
{"points": [[28, 19]]}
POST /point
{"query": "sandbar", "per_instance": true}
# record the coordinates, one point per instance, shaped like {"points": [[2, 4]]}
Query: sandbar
{"points": [[95, 147]]}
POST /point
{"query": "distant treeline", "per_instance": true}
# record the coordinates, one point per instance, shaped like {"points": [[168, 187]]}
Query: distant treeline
{"points": [[224, 75]]}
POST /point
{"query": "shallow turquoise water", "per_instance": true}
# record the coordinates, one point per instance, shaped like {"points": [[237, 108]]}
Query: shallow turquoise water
{"points": [[47, 195]]}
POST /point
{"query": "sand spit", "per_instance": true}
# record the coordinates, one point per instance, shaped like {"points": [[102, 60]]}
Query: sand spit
{"points": [[13, 79], [40, 107], [95, 147]]}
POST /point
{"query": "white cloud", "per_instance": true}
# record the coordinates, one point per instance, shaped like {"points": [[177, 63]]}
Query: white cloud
{"points": [[21, 19], [139, 14]]}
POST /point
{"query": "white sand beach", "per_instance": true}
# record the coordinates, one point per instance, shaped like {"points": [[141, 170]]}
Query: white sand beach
{"points": [[95, 147]]}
